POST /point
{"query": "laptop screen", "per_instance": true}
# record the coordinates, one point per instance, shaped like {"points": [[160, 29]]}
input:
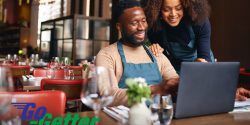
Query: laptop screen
{"points": [[206, 88]]}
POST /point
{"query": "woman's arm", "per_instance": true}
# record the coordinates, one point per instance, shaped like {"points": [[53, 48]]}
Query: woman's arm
{"points": [[203, 35]]}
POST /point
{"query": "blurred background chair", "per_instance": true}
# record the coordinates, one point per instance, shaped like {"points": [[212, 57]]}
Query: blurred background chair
{"points": [[72, 89], [244, 78], [17, 72], [77, 70], [38, 72]]}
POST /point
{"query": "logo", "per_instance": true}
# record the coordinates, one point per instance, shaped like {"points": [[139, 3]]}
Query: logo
{"points": [[41, 117], [29, 113]]}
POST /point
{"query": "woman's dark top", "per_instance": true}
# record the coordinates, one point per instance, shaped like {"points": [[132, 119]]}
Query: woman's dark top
{"points": [[183, 34]]}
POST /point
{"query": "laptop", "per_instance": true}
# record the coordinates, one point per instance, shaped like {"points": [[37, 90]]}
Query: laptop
{"points": [[206, 88]]}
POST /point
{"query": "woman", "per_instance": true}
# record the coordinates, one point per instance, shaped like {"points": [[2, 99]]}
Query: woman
{"points": [[181, 28]]}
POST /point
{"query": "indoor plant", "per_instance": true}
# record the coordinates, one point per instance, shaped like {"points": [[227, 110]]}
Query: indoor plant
{"points": [[138, 92]]}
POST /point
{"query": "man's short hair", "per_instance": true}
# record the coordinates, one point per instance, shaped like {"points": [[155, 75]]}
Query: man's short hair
{"points": [[123, 5]]}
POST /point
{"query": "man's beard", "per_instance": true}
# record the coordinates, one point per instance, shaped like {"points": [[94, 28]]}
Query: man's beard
{"points": [[129, 38]]}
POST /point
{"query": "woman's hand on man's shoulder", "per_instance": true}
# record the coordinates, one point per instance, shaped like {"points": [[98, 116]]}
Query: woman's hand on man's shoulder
{"points": [[156, 49]]}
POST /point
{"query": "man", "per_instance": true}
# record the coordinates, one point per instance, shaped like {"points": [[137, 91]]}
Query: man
{"points": [[129, 58]]}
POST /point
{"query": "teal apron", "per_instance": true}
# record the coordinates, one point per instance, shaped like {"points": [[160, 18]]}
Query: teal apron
{"points": [[180, 52], [149, 71]]}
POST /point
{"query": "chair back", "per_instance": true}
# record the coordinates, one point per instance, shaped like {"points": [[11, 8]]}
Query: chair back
{"points": [[18, 71], [72, 88], [38, 72], [77, 70], [53, 101]]}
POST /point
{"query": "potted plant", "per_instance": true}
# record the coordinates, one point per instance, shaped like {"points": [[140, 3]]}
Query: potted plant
{"points": [[138, 92]]}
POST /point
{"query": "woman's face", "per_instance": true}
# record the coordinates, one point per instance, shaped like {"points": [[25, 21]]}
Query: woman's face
{"points": [[172, 12]]}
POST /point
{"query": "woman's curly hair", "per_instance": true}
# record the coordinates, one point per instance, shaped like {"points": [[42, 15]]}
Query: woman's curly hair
{"points": [[195, 11]]}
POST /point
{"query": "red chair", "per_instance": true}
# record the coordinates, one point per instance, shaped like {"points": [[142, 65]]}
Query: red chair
{"points": [[244, 78], [59, 73], [55, 105], [72, 88], [18, 71]]}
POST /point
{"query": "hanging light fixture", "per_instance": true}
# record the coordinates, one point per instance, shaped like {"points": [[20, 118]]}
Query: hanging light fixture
{"points": [[20, 2]]}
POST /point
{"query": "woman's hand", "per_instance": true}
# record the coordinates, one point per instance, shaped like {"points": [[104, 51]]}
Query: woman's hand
{"points": [[200, 60], [156, 49], [242, 94]]}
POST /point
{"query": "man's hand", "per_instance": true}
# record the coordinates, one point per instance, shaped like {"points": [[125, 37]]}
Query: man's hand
{"points": [[156, 49], [166, 87], [242, 94]]}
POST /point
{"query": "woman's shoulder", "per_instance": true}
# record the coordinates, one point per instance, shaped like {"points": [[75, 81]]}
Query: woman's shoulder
{"points": [[203, 27], [205, 23]]}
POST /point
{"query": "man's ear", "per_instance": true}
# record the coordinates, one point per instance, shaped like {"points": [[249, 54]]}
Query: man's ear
{"points": [[118, 27]]}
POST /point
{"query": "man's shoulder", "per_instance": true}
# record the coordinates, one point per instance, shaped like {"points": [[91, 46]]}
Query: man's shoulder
{"points": [[110, 49], [162, 59]]}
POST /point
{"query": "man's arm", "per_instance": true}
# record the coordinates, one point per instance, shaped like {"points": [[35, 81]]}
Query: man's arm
{"points": [[169, 76], [105, 59], [166, 87]]}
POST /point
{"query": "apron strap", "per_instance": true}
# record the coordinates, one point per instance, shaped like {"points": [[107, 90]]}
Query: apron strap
{"points": [[150, 54], [121, 52]]}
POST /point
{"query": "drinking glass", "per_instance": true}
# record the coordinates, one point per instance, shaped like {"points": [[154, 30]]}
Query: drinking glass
{"points": [[32, 59], [65, 61], [55, 63], [69, 74], [50, 73], [96, 94], [8, 59], [65, 66], [36, 58], [7, 116], [15, 59], [162, 110]]}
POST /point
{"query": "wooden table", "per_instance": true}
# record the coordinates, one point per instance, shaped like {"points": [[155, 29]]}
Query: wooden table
{"points": [[219, 119]]}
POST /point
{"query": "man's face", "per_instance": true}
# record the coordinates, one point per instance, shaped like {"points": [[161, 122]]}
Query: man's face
{"points": [[133, 26]]}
